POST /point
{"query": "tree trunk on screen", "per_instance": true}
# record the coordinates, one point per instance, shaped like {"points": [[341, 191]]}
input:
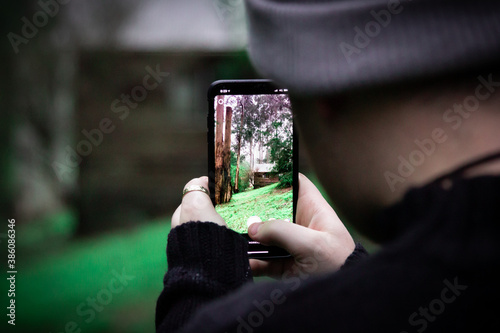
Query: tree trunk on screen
{"points": [[226, 189], [237, 176], [219, 146], [251, 161]]}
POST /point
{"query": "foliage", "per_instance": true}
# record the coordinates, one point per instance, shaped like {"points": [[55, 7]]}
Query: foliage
{"points": [[259, 118], [281, 154], [244, 174], [286, 180], [266, 121]]}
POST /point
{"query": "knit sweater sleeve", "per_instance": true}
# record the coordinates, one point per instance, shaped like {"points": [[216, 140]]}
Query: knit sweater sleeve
{"points": [[205, 261], [357, 255]]}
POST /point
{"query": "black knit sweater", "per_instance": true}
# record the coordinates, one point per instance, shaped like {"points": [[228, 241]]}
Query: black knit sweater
{"points": [[438, 272]]}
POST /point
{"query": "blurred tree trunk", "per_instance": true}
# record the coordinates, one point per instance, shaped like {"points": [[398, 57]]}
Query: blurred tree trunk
{"points": [[9, 22], [226, 181], [6, 100]]}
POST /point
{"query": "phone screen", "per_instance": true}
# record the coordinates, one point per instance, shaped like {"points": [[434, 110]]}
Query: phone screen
{"points": [[252, 171]]}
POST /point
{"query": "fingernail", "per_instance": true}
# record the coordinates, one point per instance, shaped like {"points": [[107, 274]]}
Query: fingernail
{"points": [[254, 228]]}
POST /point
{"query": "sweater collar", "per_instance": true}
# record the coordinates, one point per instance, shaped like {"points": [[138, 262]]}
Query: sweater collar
{"points": [[448, 196]]}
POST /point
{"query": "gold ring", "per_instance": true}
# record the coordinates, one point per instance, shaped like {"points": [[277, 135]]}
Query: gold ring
{"points": [[192, 188]]}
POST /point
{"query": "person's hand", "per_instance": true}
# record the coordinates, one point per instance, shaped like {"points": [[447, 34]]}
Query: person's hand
{"points": [[196, 206], [318, 242]]}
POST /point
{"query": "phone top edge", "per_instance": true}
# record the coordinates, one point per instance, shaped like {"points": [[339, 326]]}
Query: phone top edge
{"points": [[244, 87]]}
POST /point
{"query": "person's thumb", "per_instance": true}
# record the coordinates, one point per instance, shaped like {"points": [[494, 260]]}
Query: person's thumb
{"points": [[294, 238]]}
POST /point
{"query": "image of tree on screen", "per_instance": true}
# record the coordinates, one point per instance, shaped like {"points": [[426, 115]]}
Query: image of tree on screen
{"points": [[253, 158]]}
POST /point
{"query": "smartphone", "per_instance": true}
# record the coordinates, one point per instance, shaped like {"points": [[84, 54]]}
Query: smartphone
{"points": [[252, 157]]}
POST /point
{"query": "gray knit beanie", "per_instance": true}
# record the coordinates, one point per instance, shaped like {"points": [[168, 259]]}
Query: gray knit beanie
{"points": [[325, 46]]}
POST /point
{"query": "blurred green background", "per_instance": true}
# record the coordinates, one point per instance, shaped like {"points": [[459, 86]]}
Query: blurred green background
{"points": [[103, 121]]}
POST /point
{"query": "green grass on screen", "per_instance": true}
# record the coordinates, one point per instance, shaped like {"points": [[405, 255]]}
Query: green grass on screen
{"points": [[266, 202]]}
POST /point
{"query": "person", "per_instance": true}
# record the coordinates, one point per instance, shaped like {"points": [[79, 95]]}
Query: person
{"points": [[398, 105]]}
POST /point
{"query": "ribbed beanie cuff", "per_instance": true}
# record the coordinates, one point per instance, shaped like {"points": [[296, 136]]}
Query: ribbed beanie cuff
{"points": [[325, 46]]}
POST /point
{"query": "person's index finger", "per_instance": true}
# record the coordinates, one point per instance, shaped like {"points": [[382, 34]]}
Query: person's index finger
{"points": [[197, 205], [202, 181]]}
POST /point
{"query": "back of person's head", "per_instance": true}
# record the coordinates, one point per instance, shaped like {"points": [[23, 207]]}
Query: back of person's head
{"points": [[327, 46], [388, 94]]}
